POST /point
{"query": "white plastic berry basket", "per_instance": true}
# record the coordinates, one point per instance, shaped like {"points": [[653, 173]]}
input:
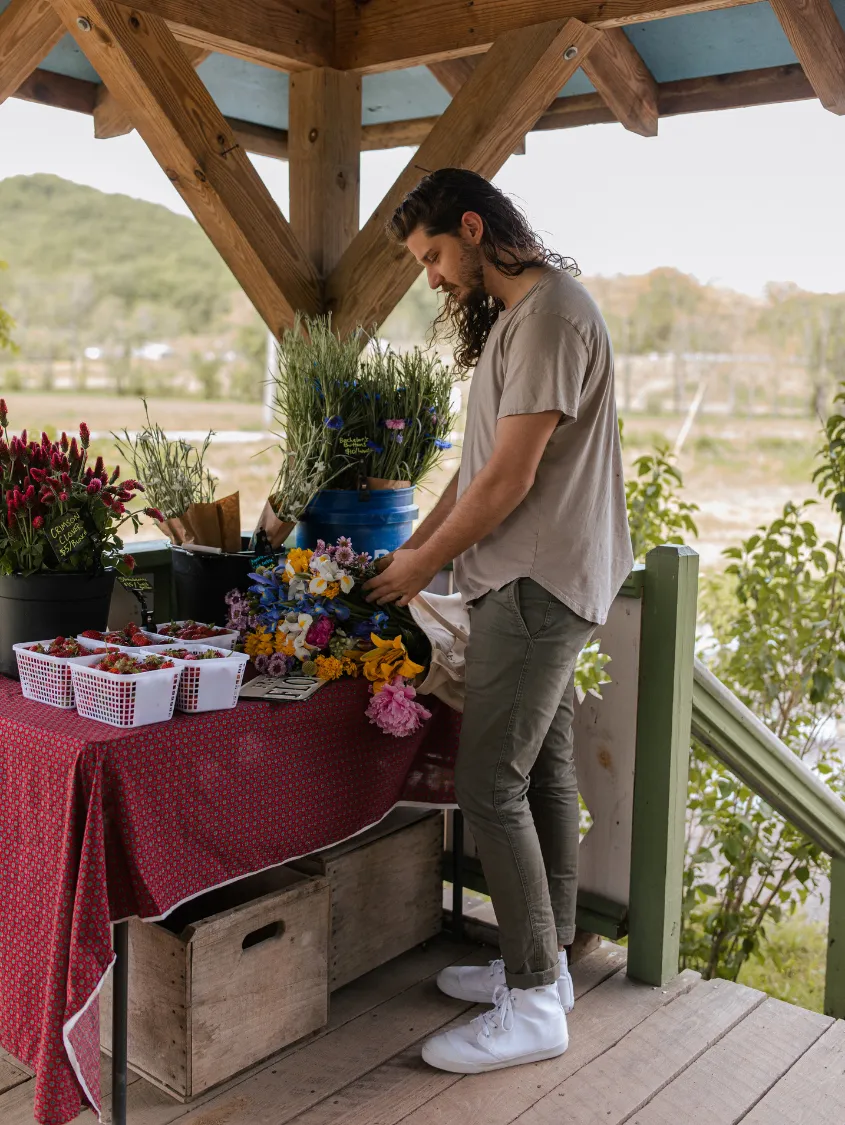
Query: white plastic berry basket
{"points": [[125, 701], [47, 679], [224, 640], [210, 685]]}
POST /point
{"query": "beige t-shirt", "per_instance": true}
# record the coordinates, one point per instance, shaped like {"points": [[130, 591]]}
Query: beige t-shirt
{"points": [[551, 351]]}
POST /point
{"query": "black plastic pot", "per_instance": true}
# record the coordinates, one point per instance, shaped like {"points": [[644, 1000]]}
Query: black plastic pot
{"points": [[201, 582], [38, 607]]}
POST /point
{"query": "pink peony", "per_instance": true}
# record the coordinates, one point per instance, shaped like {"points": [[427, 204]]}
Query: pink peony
{"points": [[320, 632], [395, 711]]}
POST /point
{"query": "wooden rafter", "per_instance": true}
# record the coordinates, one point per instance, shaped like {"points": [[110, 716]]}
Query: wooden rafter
{"points": [[505, 95], [110, 117], [385, 35], [324, 148], [624, 81], [452, 73], [818, 39], [137, 57], [286, 34], [29, 30]]}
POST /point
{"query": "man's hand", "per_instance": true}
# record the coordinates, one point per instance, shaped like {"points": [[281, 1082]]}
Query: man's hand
{"points": [[402, 580]]}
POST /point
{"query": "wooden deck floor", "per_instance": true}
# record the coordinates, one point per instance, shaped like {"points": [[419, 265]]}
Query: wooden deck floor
{"points": [[694, 1053]]}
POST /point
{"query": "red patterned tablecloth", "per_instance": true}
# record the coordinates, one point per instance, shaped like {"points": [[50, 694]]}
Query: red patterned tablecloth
{"points": [[100, 824]]}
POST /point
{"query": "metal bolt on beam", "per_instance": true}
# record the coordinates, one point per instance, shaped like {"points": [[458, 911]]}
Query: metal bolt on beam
{"points": [[83, 24], [570, 53]]}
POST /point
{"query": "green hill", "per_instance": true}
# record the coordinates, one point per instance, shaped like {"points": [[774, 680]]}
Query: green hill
{"points": [[79, 255]]}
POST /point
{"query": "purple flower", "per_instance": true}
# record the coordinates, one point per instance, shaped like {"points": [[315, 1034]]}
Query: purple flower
{"points": [[375, 448], [441, 444], [277, 665], [334, 423], [344, 556], [261, 663], [395, 423], [320, 632], [364, 559]]}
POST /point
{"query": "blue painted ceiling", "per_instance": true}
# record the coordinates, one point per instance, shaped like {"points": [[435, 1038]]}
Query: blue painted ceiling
{"points": [[692, 46]]}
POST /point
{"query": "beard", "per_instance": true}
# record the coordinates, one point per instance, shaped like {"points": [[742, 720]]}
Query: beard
{"points": [[469, 288], [469, 312]]}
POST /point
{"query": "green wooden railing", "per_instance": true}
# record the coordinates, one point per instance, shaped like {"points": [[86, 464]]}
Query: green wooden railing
{"points": [[727, 728]]}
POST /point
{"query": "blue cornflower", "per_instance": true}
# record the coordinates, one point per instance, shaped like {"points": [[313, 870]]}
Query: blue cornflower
{"points": [[375, 448], [441, 444], [334, 423]]}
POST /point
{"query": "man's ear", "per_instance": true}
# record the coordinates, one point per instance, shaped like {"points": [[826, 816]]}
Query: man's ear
{"points": [[473, 226]]}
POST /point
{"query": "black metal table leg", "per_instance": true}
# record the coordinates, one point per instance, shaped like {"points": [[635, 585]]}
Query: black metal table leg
{"points": [[458, 873], [120, 1021]]}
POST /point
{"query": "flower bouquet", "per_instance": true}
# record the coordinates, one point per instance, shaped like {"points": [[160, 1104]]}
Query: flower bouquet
{"points": [[182, 488], [309, 616]]}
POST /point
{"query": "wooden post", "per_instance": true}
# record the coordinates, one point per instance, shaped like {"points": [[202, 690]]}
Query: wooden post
{"points": [[324, 146], [29, 30], [664, 717], [834, 984]]}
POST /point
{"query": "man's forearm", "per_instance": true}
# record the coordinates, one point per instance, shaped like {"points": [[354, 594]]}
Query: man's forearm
{"points": [[436, 517], [488, 501]]}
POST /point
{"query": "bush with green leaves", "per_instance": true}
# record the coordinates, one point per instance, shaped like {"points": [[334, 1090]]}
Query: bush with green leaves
{"points": [[776, 620], [656, 511]]}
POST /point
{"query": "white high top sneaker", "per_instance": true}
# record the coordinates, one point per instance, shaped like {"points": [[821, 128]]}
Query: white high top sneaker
{"points": [[478, 983], [525, 1026]]}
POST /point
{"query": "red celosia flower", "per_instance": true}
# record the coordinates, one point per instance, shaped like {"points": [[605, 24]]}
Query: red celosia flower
{"points": [[38, 522], [115, 474], [129, 561], [154, 514], [84, 435], [118, 508], [94, 486], [99, 466], [4, 413], [23, 438]]}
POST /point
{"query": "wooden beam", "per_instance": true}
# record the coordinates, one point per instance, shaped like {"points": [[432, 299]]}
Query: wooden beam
{"points": [[818, 39], [324, 148], [452, 73], [29, 30], [385, 35], [285, 34], [111, 119], [505, 95], [57, 90], [624, 81], [768, 86], [138, 58], [260, 139]]}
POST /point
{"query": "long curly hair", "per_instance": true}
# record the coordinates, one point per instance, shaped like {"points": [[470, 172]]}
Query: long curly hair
{"points": [[438, 204]]}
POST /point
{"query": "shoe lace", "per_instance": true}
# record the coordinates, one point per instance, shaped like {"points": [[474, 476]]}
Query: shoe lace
{"points": [[497, 966], [501, 1016]]}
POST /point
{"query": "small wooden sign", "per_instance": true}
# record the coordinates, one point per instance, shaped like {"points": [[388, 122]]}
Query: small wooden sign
{"points": [[139, 585], [67, 534]]}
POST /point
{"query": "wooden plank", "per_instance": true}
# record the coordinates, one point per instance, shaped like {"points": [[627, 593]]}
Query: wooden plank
{"points": [[663, 744], [110, 117], [324, 147], [11, 1073], [607, 1014], [138, 58], [384, 35], [834, 981], [624, 1079], [388, 1094], [812, 1092], [360, 1001], [818, 39], [260, 139], [452, 73], [768, 86], [285, 34], [17, 1104], [491, 113], [29, 30], [729, 1079], [623, 80], [58, 91]]}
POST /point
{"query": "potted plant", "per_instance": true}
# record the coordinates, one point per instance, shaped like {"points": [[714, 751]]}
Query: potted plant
{"points": [[59, 544], [376, 426]]}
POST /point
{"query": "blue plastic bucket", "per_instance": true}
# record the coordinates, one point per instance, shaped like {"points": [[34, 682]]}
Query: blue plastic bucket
{"points": [[377, 521]]}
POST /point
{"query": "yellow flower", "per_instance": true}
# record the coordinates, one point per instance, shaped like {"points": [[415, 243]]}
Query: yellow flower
{"points": [[350, 667], [332, 590], [299, 559], [329, 667], [388, 659], [259, 643]]}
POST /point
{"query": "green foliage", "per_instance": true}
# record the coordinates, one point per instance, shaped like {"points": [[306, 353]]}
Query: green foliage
{"points": [[776, 619], [6, 325], [790, 963], [656, 512]]}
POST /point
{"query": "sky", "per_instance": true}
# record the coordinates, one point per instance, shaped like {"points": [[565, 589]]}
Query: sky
{"points": [[737, 198]]}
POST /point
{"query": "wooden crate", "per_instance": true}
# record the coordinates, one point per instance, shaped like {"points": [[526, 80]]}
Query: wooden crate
{"points": [[225, 981], [387, 891]]}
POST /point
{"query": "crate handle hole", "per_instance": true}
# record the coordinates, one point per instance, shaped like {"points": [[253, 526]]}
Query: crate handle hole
{"points": [[265, 933]]}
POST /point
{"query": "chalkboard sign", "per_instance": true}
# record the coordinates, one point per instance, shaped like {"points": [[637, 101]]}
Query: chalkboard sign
{"points": [[67, 534], [138, 585], [355, 445]]}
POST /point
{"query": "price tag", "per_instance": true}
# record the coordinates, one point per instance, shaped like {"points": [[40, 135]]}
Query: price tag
{"points": [[67, 534], [355, 445], [138, 585]]}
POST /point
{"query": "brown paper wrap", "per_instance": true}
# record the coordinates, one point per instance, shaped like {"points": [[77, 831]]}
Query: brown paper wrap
{"points": [[276, 530], [208, 525], [379, 483]]}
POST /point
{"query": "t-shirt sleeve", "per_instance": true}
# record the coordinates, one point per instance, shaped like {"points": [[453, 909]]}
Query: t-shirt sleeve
{"points": [[545, 361]]}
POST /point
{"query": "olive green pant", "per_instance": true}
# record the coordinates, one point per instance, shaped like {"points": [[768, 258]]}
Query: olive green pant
{"points": [[515, 773]]}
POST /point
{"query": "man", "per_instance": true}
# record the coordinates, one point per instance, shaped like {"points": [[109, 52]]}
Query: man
{"points": [[536, 524]]}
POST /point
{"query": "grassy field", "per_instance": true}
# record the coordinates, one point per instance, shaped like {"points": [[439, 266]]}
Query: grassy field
{"points": [[740, 471]]}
